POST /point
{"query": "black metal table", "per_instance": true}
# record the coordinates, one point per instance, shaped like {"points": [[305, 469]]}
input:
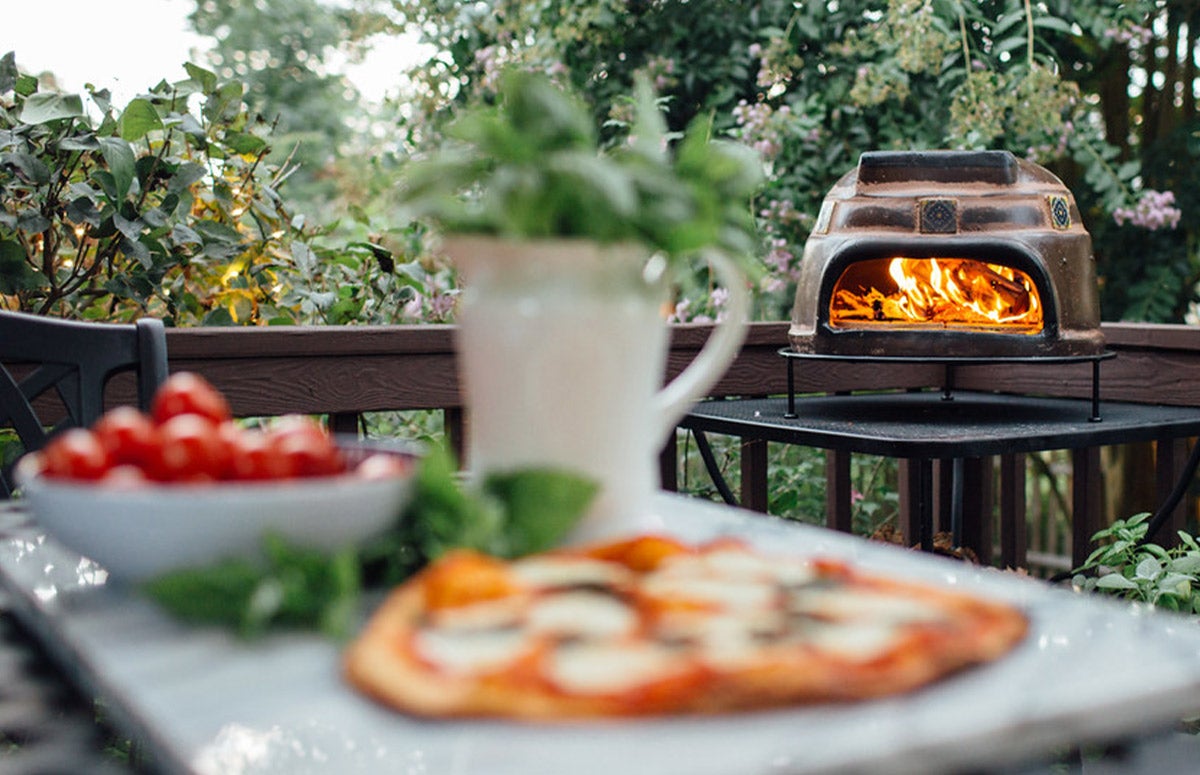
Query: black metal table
{"points": [[46, 725], [930, 425]]}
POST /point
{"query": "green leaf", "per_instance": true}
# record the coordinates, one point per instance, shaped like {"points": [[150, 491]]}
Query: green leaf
{"points": [[292, 587], [207, 79], [81, 142], [441, 516], [29, 167], [138, 120], [186, 175], [218, 233], [1115, 581], [1188, 563], [8, 72], [217, 594], [82, 210], [44, 107], [15, 273], [1148, 569], [1053, 23], [242, 142], [1176, 584], [119, 157], [32, 221], [542, 505]]}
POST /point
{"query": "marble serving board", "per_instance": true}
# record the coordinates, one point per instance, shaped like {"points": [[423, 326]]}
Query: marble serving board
{"points": [[202, 701]]}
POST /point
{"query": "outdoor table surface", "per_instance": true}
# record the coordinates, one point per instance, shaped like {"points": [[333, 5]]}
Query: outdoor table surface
{"points": [[200, 700]]}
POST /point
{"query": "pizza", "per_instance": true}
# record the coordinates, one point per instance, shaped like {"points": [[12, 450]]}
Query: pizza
{"points": [[650, 625]]}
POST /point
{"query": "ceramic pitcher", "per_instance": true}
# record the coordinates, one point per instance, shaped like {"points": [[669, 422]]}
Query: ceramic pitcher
{"points": [[562, 351]]}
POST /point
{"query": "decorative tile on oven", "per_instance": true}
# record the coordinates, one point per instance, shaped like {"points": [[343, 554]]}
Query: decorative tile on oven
{"points": [[824, 217], [1060, 211], [938, 216]]}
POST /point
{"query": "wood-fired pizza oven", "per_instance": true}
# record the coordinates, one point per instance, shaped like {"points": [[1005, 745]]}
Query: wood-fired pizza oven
{"points": [[948, 254]]}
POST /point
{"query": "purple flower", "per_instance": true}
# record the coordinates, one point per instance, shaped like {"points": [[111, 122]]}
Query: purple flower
{"points": [[1154, 210]]}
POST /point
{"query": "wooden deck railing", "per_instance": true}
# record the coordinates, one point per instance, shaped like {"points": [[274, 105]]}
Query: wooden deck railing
{"points": [[341, 369], [346, 371]]}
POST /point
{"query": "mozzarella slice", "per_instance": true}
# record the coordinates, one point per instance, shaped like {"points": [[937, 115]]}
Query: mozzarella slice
{"points": [[717, 592], [472, 651], [484, 615], [592, 667], [582, 614], [856, 641], [744, 564], [861, 605], [724, 639], [552, 572]]}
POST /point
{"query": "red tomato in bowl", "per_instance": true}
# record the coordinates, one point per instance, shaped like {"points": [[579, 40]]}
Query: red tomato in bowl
{"points": [[124, 476], [382, 466], [75, 454], [307, 447], [188, 393], [191, 449], [254, 456], [129, 436]]}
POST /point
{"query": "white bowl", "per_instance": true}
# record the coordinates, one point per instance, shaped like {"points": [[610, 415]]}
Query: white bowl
{"points": [[137, 533]]}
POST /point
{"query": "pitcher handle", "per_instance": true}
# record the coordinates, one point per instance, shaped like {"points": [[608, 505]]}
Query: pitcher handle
{"points": [[693, 383]]}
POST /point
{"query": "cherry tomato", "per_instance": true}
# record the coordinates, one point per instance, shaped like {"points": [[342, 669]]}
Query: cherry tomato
{"points": [[381, 466], [191, 450], [75, 454], [188, 393], [308, 448], [128, 435], [253, 455], [124, 476]]}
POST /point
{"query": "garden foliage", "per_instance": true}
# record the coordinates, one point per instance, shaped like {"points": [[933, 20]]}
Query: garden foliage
{"points": [[183, 204], [168, 206], [1126, 565], [1096, 91]]}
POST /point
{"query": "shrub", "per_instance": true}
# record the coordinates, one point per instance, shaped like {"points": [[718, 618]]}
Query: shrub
{"points": [[1127, 566], [168, 207]]}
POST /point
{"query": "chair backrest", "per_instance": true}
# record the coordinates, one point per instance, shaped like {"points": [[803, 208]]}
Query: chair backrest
{"points": [[62, 367]]}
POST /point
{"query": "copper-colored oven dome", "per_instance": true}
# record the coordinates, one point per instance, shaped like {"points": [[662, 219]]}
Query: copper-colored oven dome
{"points": [[948, 254]]}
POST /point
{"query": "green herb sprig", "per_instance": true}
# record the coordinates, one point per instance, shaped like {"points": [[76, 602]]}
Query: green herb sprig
{"points": [[508, 515], [531, 166]]}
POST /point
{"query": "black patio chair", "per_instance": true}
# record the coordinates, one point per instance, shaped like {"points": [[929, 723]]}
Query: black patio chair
{"points": [[53, 374]]}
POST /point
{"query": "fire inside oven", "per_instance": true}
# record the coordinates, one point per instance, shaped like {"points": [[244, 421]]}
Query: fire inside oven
{"points": [[949, 293]]}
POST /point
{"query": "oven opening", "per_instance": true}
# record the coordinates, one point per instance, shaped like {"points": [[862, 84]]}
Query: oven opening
{"points": [[945, 293]]}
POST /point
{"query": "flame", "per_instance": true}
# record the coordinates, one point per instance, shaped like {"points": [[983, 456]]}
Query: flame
{"points": [[942, 292]]}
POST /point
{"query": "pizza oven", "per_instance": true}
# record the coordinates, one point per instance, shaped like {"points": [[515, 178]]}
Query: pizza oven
{"points": [[948, 254]]}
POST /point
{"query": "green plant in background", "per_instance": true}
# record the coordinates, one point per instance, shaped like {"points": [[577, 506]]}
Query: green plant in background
{"points": [[168, 207], [1128, 567], [139, 213], [530, 166], [810, 86]]}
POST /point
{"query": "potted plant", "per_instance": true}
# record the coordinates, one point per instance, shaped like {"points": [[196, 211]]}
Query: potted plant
{"points": [[566, 254]]}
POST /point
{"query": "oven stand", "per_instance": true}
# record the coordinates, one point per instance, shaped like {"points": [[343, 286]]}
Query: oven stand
{"points": [[949, 363], [924, 495]]}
